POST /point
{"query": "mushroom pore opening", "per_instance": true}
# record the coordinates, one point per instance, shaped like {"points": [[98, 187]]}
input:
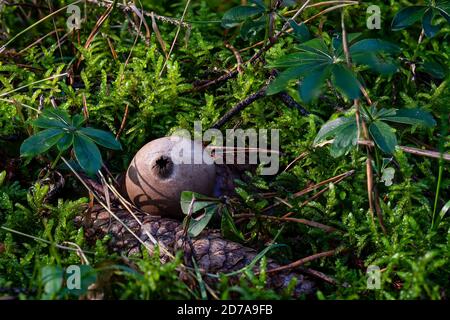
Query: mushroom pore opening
{"points": [[163, 167]]}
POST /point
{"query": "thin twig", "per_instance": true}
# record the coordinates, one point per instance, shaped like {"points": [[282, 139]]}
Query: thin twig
{"points": [[43, 240], [122, 124], [240, 106], [175, 38], [305, 260], [287, 219], [256, 56], [237, 55]]}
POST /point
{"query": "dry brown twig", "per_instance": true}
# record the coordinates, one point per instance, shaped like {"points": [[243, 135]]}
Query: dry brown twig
{"points": [[127, 7], [287, 219], [374, 205], [175, 38], [237, 55], [302, 261], [336, 179]]}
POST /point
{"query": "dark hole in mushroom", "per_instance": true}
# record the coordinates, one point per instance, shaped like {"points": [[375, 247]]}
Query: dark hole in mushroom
{"points": [[163, 167]]}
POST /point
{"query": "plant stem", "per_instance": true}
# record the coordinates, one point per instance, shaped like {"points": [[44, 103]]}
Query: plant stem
{"points": [[53, 165], [438, 188], [416, 52]]}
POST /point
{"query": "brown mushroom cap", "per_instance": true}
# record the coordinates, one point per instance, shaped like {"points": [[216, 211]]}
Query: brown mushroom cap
{"points": [[157, 175]]}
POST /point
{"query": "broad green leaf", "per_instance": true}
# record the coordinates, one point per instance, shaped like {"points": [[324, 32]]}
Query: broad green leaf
{"points": [[316, 46], [77, 120], [200, 201], [87, 154], [238, 14], [310, 86], [412, 117], [250, 28], [40, 142], [384, 136], [381, 113], [427, 22], [52, 279], [331, 128], [52, 118], [434, 69], [382, 65], [305, 59], [282, 80], [344, 80], [65, 142], [344, 139], [301, 32], [337, 42], [196, 226], [87, 276], [373, 46], [47, 123], [103, 138], [407, 16]]}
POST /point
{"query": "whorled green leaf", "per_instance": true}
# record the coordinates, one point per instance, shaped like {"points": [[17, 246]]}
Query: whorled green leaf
{"points": [[250, 28], [282, 80], [101, 137], [87, 154], [383, 136], [77, 120], [345, 138], [301, 31], [374, 46], [407, 16], [52, 279], [65, 142], [46, 123], [307, 59], [412, 117], [435, 69], [236, 15], [41, 142], [345, 81], [52, 118], [379, 113], [316, 46], [87, 276], [310, 86], [429, 29], [336, 42], [331, 128], [377, 63]]}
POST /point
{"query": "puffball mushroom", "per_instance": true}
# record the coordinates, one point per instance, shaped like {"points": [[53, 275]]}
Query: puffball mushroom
{"points": [[164, 168]]}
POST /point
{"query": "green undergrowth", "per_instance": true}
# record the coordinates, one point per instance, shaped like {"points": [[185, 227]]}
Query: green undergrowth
{"points": [[413, 255]]}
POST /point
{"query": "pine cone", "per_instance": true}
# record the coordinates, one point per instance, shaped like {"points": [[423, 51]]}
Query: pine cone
{"points": [[212, 253]]}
